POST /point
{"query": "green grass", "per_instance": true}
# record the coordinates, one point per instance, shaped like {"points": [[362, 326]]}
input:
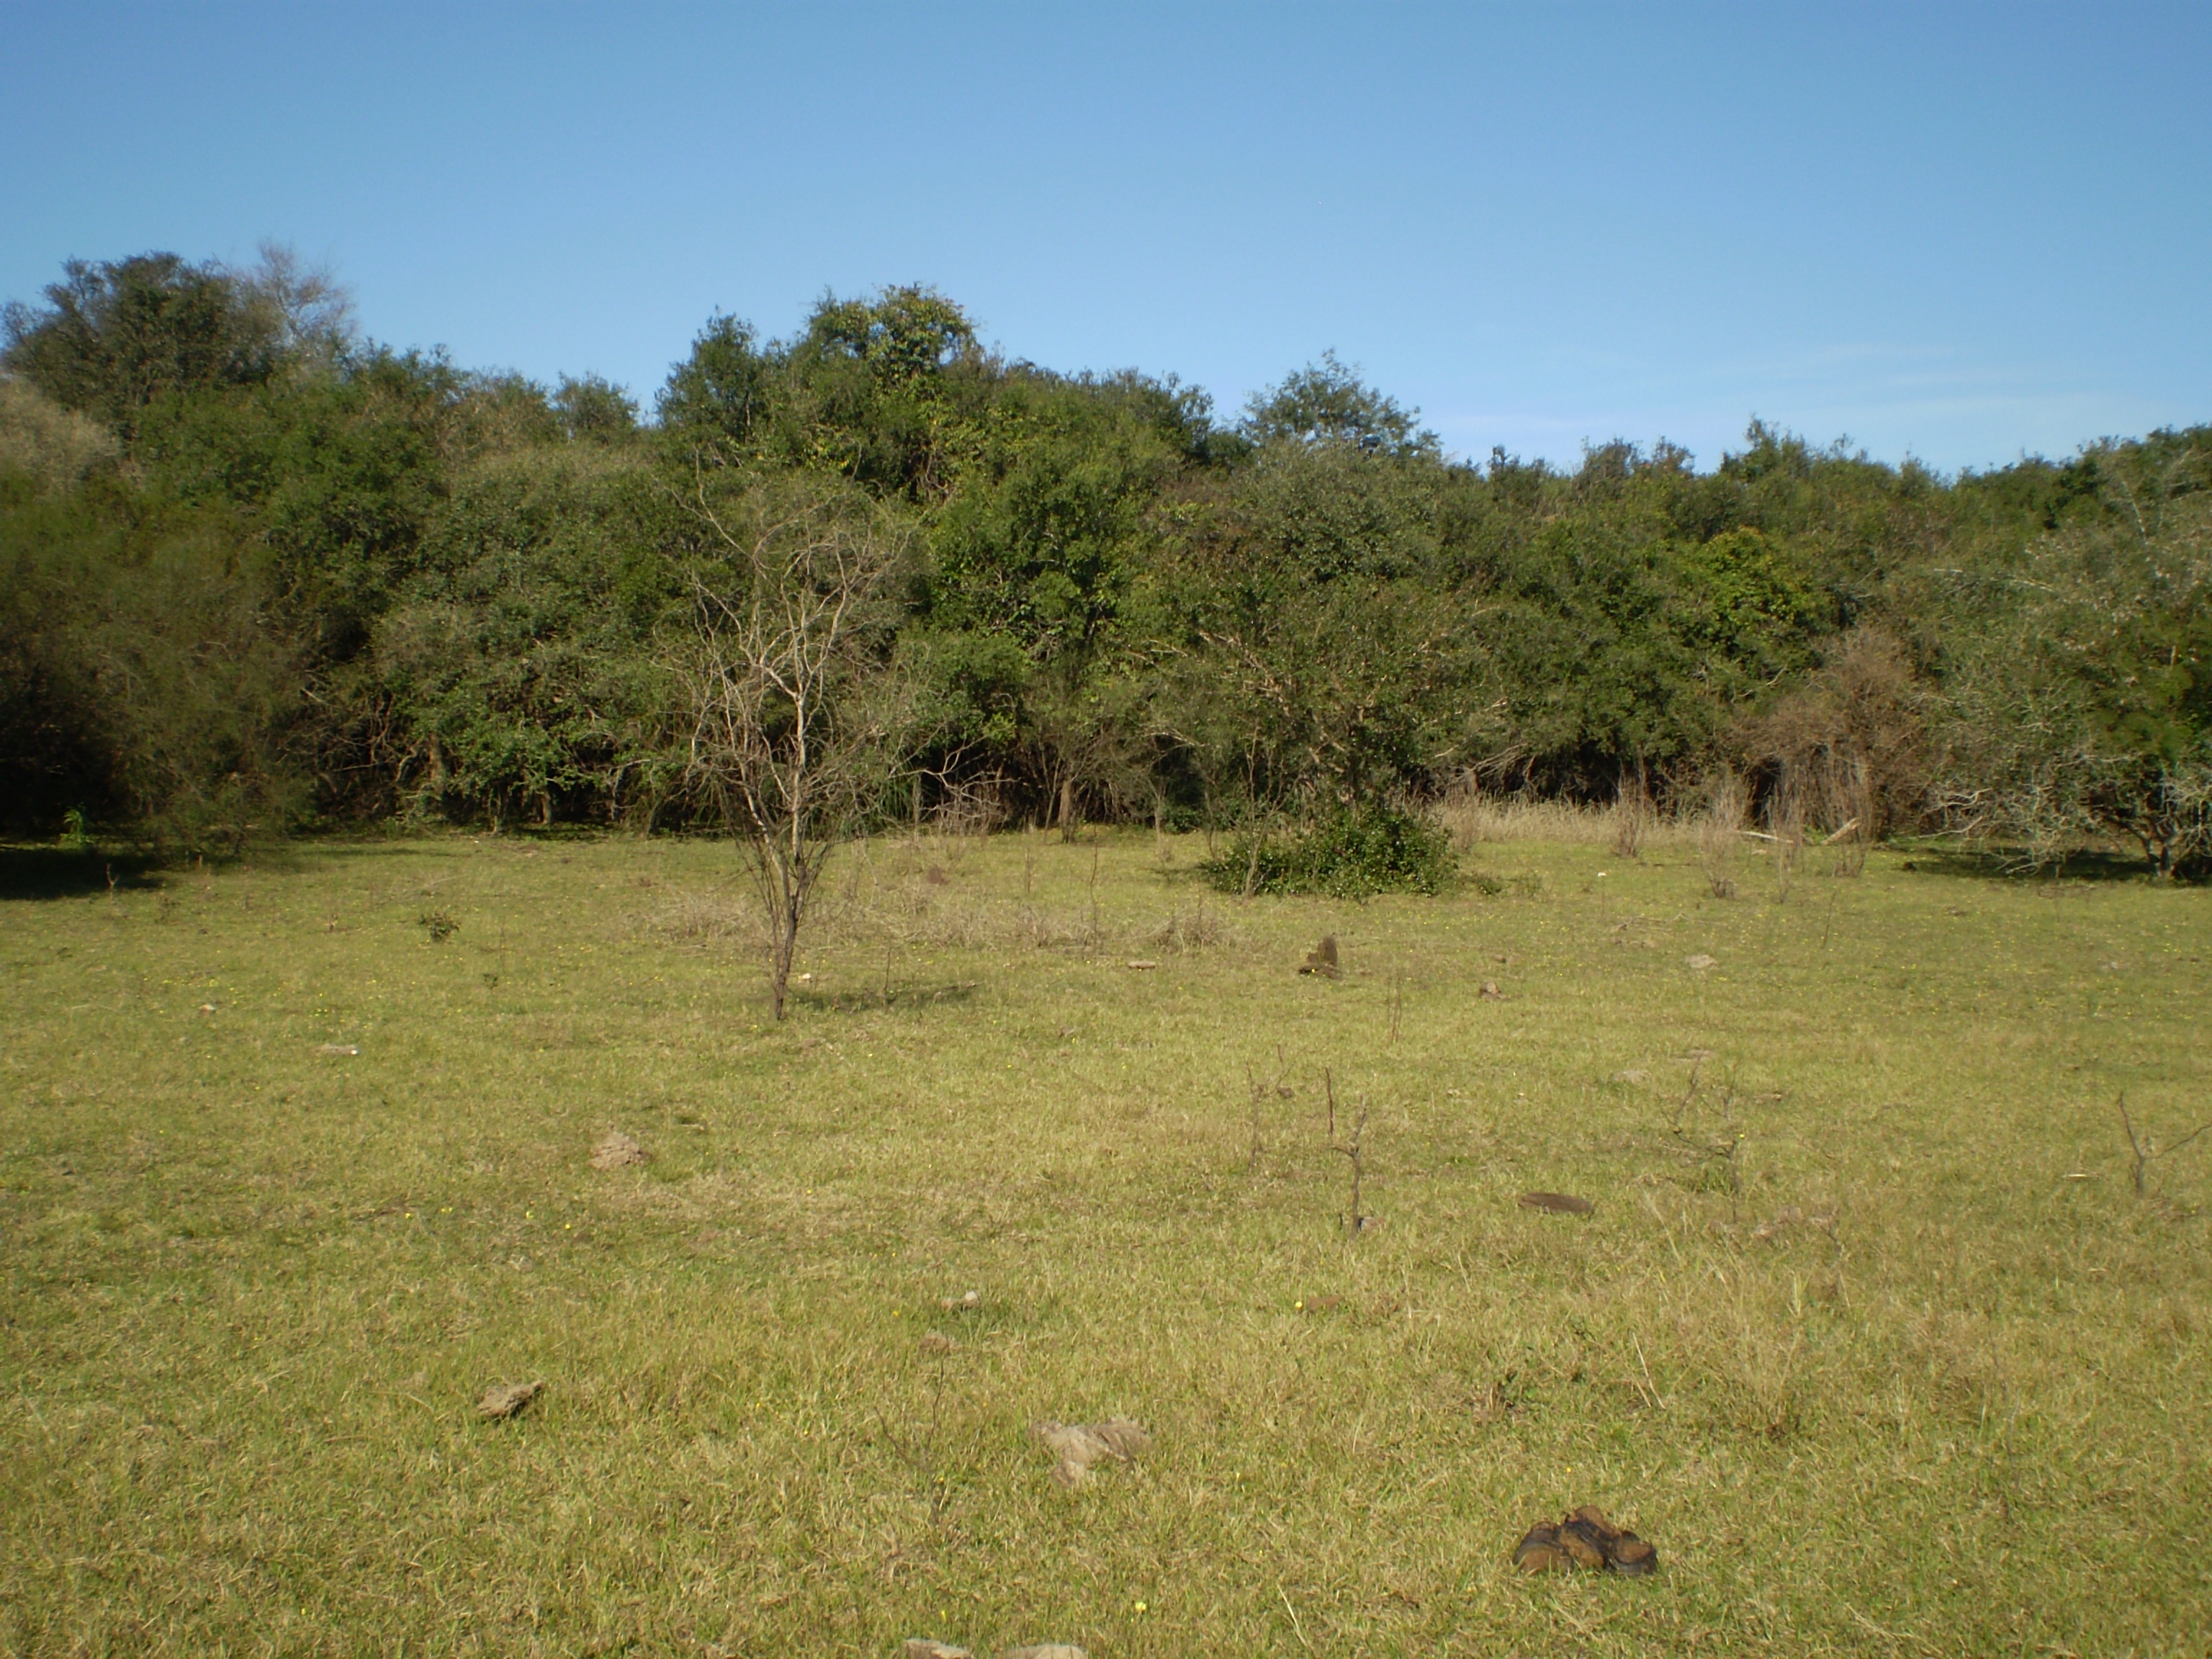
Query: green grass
{"points": [[251, 1291]]}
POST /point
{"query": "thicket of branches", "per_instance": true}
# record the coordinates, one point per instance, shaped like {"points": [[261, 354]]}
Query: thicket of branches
{"points": [[258, 575]]}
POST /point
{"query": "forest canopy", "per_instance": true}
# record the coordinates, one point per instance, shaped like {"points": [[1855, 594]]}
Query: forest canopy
{"points": [[260, 576]]}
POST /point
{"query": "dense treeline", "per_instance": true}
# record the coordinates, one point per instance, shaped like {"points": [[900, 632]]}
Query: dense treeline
{"points": [[258, 575]]}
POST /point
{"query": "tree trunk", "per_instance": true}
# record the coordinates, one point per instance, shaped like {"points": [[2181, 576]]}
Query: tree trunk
{"points": [[781, 952]]}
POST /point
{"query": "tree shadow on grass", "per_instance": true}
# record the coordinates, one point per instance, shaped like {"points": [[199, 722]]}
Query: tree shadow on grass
{"points": [[873, 1000], [2014, 865], [56, 873]]}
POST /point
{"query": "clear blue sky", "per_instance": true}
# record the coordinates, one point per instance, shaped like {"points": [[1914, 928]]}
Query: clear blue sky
{"points": [[1959, 232]]}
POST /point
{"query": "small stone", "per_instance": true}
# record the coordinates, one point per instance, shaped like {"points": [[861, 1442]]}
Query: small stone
{"points": [[1699, 963], [338, 1048], [1490, 992], [921, 1647], [1117, 1440], [1048, 1650], [505, 1400], [1633, 1074], [1142, 963]]}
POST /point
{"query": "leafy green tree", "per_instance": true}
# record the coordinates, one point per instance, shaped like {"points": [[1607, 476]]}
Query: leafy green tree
{"points": [[595, 410], [1616, 640], [719, 400], [519, 670], [116, 336], [880, 391], [1327, 403], [143, 681], [1321, 662]]}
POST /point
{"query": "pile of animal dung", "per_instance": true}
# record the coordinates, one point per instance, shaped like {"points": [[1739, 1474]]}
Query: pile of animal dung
{"points": [[1584, 1539]]}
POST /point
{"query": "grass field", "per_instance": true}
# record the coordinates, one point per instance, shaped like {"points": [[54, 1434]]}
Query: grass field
{"points": [[1869, 1332]]}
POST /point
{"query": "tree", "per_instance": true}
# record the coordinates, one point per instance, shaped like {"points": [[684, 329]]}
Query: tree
{"points": [[595, 409], [1321, 659], [1327, 403], [881, 390], [794, 709], [516, 668], [142, 681], [302, 309], [116, 336], [2083, 696]]}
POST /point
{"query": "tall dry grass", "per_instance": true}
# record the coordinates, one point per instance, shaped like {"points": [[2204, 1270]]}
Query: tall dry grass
{"points": [[1474, 815]]}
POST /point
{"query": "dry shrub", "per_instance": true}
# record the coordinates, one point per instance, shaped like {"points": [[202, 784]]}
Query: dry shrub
{"points": [[1194, 929], [1720, 830], [1848, 801], [55, 445], [918, 916], [709, 918], [1768, 1397], [1785, 830], [1857, 742], [970, 809], [1039, 928], [951, 924], [1633, 814], [1471, 815]]}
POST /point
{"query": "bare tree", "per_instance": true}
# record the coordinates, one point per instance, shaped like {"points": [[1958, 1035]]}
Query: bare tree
{"points": [[795, 710], [303, 309]]}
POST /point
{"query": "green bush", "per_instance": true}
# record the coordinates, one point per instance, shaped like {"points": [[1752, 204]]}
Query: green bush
{"points": [[1367, 849]]}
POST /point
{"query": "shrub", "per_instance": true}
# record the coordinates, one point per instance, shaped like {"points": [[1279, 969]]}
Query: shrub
{"points": [[1364, 850]]}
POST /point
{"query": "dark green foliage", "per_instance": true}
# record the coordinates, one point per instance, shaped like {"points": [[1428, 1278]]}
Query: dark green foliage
{"points": [[594, 410], [116, 337], [516, 667], [1327, 403], [255, 573], [1352, 854], [1323, 651], [142, 681], [887, 392]]}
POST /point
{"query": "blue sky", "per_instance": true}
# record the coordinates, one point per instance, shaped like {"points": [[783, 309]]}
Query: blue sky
{"points": [[1958, 232]]}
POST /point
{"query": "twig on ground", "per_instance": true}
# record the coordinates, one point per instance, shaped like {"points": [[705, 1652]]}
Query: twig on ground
{"points": [[1354, 1151], [2146, 1150], [1252, 1087]]}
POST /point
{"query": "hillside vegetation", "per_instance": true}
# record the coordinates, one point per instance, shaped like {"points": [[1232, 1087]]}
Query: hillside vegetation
{"points": [[258, 575]]}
